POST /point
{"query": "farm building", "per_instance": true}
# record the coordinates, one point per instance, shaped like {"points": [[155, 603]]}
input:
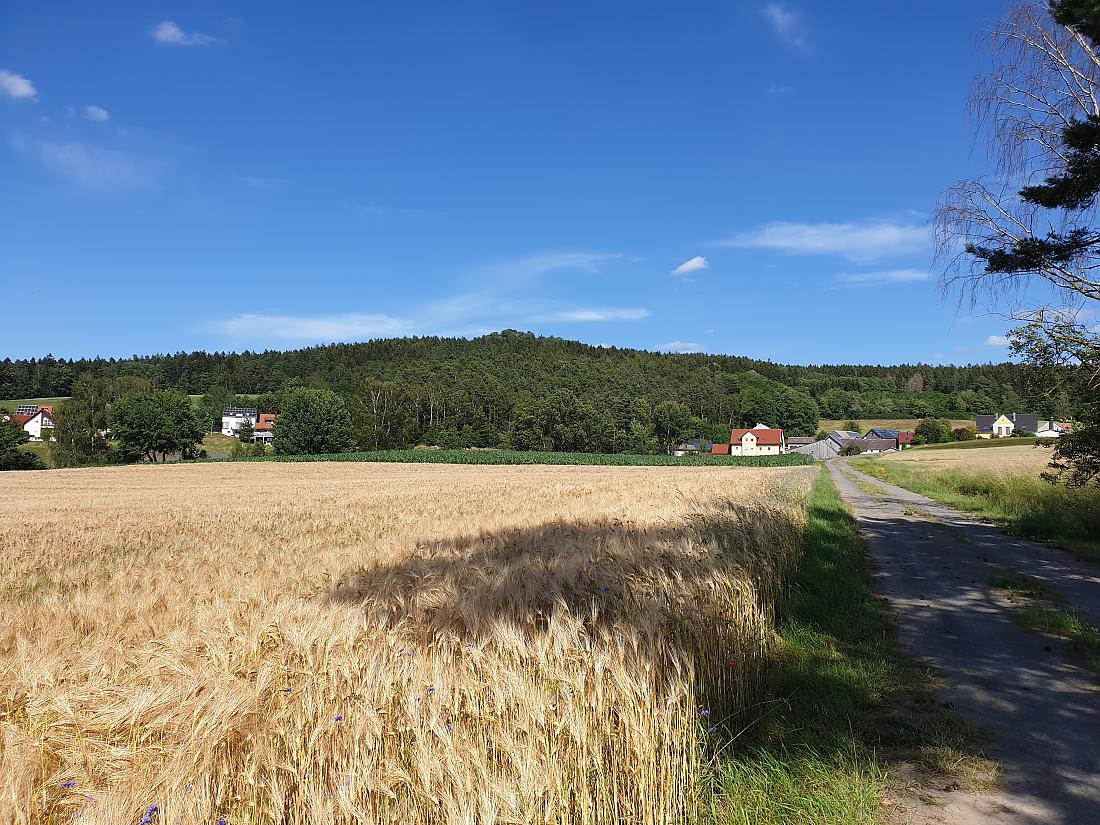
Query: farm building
{"points": [[1053, 429]]}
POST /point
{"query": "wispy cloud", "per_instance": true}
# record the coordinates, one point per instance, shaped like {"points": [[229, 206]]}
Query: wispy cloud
{"points": [[789, 26], [997, 341], [581, 314], [464, 313], [168, 33], [886, 276], [89, 166], [859, 241], [692, 265], [776, 89], [96, 113], [267, 184], [17, 86], [341, 327], [682, 347]]}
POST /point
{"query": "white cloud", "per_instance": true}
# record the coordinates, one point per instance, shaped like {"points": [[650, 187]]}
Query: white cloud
{"points": [[776, 89], [691, 265], [860, 241], [582, 314], [787, 24], [92, 167], [341, 327], [682, 347], [168, 33], [17, 86], [887, 276], [96, 113], [997, 341]]}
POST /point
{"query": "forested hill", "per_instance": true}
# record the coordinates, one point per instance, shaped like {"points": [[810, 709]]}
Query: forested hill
{"points": [[487, 376]]}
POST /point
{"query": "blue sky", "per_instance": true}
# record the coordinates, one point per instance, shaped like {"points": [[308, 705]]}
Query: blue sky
{"points": [[740, 177]]}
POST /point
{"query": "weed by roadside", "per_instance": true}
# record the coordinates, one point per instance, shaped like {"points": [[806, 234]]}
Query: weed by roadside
{"points": [[1039, 608]]}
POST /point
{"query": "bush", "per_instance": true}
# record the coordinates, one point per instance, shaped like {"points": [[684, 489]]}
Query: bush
{"points": [[933, 431], [967, 433], [313, 422]]}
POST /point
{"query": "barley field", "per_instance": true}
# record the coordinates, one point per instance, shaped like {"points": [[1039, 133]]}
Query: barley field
{"points": [[1025, 459], [339, 643]]}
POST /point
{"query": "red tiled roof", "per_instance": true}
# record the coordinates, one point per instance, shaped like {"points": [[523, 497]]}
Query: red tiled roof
{"points": [[266, 422], [905, 438], [720, 449], [48, 409], [22, 419], [764, 438]]}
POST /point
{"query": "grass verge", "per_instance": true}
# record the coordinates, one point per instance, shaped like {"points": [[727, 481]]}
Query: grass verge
{"points": [[849, 711], [1038, 608], [1021, 504]]}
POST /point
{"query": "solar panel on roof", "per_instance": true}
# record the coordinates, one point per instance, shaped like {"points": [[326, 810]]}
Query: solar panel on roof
{"points": [[26, 409]]}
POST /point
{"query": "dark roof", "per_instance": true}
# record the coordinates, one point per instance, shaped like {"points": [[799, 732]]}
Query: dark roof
{"points": [[984, 423], [881, 433], [867, 445], [798, 440], [1028, 422], [249, 411], [841, 436]]}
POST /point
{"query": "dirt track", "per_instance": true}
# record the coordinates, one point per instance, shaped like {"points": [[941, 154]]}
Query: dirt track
{"points": [[935, 566]]}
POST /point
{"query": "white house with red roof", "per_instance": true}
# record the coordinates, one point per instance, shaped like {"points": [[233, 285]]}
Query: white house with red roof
{"points": [[759, 440], [264, 430], [35, 422]]}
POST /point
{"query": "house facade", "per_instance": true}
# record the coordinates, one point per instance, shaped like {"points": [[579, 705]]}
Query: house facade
{"points": [[264, 429], [760, 440], [1005, 424], [234, 417]]}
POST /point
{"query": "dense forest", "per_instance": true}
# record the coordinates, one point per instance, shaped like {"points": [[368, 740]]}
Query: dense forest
{"points": [[453, 390]]}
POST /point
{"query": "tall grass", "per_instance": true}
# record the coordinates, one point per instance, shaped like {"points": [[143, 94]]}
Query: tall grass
{"points": [[1008, 496], [339, 643]]}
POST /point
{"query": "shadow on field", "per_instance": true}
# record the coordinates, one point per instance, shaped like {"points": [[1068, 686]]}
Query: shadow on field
{"points": [[667, 586]]}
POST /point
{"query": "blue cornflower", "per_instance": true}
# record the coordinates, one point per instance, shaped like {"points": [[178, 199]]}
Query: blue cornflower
{"points": [[431, 690], [606, 589], [221, 821], [288, 690], [146, 820], [705, 712], [712, 729], [339, 718], [68, 783]]}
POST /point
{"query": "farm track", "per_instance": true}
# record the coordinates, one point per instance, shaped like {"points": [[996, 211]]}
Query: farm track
{"points": [[936, 568]]}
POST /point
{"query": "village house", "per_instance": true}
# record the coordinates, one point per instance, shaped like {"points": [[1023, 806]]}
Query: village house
{"points": [[1004, 425], [234, 417], [264, 430], [34, 419], [900, 439], [1053, 429], [760, 440]]}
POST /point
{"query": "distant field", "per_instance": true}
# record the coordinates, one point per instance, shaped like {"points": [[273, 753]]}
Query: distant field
{"points": [[12, 403], [902, 424], [981, 443], [1002, 486], [321, 643]]}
